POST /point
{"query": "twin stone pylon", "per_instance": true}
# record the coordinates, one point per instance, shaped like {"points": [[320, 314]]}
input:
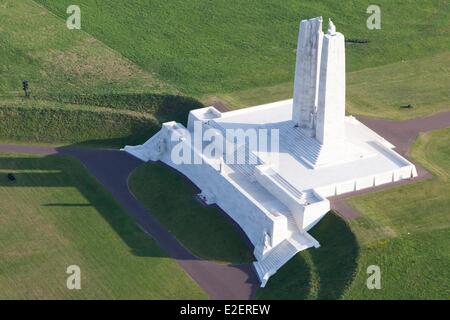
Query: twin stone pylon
{"points": [[319, 87]]}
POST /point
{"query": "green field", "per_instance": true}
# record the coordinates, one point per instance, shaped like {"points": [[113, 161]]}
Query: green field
{"points": [[138, 63], [49, 123], [135, 56], [208, 48], [243, 53], [83, 92], [378, 92], [205, 231], [404, 230], [424, 206], [322, 273], [108, 121], [56, 215], [37, 46]]}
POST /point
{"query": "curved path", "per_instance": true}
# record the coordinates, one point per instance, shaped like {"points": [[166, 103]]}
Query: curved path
{"points": [[220, 281], [402, 134], [112, 169]]}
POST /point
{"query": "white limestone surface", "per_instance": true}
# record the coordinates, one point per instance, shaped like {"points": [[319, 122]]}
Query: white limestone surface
{"points": [[275, 204], [277, 195]]}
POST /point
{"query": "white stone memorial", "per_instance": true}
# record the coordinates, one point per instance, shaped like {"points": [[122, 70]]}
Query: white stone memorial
{"points": [[277, 195]]}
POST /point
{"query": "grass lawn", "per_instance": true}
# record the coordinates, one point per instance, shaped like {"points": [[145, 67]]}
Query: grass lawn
{"points": [[202, 47], [82, 90], [133, 59], [412, 266], [421, 207], [104, 121], [57, 215], [116, 80], [378, 92], [404, 230], [37, 46], [204, 230], [243, 53], [322, 273], [49, 123]]}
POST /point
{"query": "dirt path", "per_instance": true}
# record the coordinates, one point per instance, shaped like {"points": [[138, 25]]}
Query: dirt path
{"points": [[402, 134]]}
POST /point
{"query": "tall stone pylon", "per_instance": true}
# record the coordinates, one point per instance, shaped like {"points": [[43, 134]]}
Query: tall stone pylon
{"points": [[306, 84], [319, 87], [331, 96]]}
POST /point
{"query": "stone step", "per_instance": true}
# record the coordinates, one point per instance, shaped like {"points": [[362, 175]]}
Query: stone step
{"points": [[285, 184], [282, 253], [298, 144], [277, 257], [291, 223], [300, 241], [147, 151]]}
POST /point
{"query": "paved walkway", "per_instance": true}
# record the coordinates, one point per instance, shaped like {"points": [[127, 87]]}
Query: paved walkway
{"points": [[220, 281], [112, 169], [402, 134]]}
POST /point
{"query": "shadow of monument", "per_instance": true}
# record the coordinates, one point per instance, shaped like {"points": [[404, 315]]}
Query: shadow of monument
{"points": [[138, 136], [50, 171], [292, 282], [194, 191], [335, 261], [322, 273], [165, 107], [69, 205]]}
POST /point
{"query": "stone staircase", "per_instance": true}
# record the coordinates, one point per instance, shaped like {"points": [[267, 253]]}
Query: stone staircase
{"points": [[309, 151], [274, 260], [281, 254], [291, 223], [289, 187], [286, 250], [149, 151], [298, 144]]}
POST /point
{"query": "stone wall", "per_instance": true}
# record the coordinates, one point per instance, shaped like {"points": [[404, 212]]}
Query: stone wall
{"points": [[307, 71], [236, 202]]}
